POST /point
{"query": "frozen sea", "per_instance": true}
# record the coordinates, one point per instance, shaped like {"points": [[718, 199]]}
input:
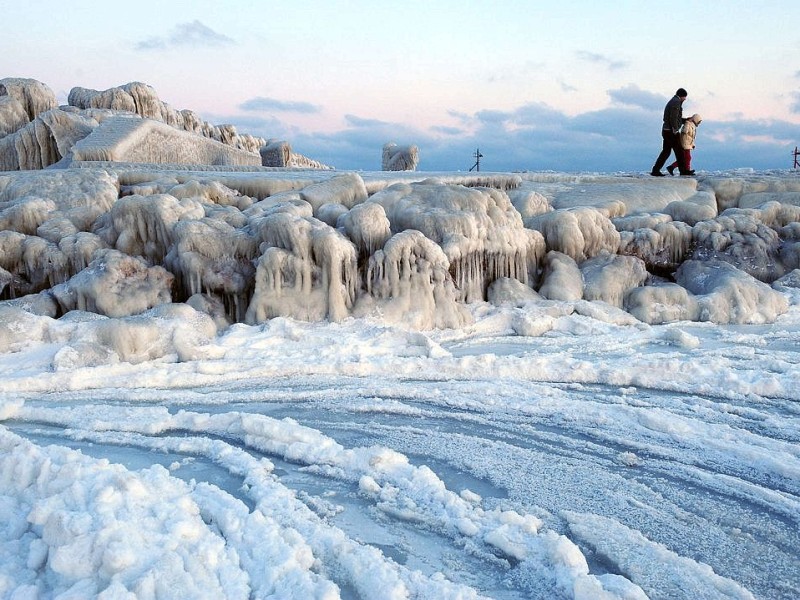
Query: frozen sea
{"points": [[599, 457]]}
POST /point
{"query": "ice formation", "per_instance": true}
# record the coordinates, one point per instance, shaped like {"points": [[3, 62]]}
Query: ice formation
{"points": [[399, 158]]}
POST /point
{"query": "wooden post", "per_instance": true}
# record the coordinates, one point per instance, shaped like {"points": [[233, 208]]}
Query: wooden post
{"points": [[796, 154]]}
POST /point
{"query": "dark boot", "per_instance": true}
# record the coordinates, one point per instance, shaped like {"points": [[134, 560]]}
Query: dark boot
{"points": [[671, 169], [655, 173]]}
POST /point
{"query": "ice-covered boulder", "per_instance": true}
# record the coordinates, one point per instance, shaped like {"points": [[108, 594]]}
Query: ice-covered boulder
{"points": [[662, 247], [45, 141], [748, 192], [212, 257], [115, 285], [479, 230], [399, 158], [367, 227], [726, 294], [168, 329], [408, 283], [33, 263], [347, 189], [307, 269], [79, 195], [34, 96], [699, 207], [608, 277], [662, 303], [561, 278], [507, 291], [529, 203], [12, 116], [740, 237], [143, 225], [580, 233]]}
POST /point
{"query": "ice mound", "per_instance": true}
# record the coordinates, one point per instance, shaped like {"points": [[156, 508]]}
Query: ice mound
{"points": [[116, 285], [580, 233], [479, 230], [662, 303], [726, 294], [562, 278], [609, 277]]}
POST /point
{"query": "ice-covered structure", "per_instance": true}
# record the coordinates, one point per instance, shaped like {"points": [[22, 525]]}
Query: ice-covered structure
{"points": [[128, 123], [399, 158]]}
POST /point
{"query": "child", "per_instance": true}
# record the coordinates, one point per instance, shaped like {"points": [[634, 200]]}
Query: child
{"points": [[688, 134]]}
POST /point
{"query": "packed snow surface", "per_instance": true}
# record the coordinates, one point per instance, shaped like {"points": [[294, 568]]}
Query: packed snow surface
{"points": [[297, 384]]}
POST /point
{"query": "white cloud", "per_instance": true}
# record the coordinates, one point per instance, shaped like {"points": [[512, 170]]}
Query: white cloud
{"points": [[194, 34], [609, 63], [261, 104]]}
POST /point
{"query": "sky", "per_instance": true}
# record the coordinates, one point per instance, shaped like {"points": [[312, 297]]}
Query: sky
{"points": [[568, 86]]}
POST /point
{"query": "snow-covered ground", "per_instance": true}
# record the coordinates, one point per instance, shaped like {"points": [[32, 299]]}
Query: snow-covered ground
{"points": [[543, 449], [356, 459]]}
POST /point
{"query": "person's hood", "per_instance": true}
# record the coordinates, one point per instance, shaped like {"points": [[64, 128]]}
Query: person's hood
{"points": [[695, 118]]}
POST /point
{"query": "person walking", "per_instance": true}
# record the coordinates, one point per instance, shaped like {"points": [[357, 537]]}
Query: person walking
{"points": [[688, 136], [671, 134]]}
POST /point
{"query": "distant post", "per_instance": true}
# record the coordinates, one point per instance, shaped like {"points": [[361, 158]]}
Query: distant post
{"points": [[796, 154], [478, 156]]}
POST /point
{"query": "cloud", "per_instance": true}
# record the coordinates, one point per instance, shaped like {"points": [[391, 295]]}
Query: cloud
{"points": [[632, 95], [261, 104], [610, 64], [795, 104], [194, 34], [566, 87]]}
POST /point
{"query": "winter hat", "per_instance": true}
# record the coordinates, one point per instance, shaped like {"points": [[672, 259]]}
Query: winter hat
{"points": [[695, 118]]}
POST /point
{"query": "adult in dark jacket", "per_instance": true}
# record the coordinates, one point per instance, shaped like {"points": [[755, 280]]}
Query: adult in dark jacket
{"points": [[671, 134]]}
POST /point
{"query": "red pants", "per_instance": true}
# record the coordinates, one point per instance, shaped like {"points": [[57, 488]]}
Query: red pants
{"points": [[687, 158]]}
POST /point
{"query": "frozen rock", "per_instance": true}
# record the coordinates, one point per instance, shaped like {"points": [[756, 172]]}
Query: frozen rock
{"points": [[307, 270], [479, 230], [529, 203], [115, 285], [12, 116], [728, 295], [510, 292], [410, 283], [580, 233], [34, 96], [740, 237], [562, 278], [663, 303], [347, 190], [662, 247], [609, 277], [212, 257], [276, 153], [367, 227], [699, 207]]}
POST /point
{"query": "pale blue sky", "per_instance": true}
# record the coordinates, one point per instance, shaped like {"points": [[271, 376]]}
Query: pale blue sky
{"points": [[536, 85]]}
